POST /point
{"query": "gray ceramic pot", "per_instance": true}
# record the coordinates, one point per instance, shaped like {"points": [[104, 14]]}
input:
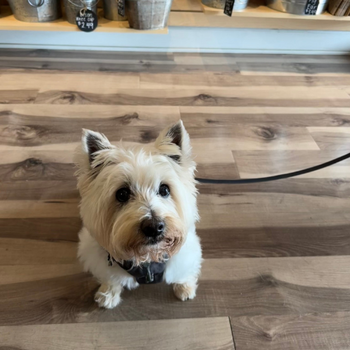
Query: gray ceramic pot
{"points": [[110, 9], [295, 7], [72, 8], [148, 14], [36, 10]]}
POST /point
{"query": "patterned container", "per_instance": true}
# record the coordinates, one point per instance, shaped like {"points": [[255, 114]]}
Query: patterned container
{"points": [[36, 10], [148, 14], [295, 7], [72, 8], [110, 9]]}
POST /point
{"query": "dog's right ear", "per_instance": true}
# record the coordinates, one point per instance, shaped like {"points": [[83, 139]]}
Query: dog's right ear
{"points": [[92, 143]]}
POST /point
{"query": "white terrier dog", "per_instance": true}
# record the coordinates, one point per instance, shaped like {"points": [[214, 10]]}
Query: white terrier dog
{"points": [[139, 210]]}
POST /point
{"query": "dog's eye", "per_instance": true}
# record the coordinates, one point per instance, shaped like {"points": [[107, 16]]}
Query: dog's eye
{"points": [[123, 195], [164, 190]]}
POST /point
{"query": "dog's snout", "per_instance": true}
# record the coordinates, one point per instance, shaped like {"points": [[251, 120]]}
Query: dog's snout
{"points": [[152, 227]]}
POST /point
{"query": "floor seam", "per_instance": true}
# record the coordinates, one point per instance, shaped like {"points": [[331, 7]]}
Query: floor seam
{"points": [[233, 337]]}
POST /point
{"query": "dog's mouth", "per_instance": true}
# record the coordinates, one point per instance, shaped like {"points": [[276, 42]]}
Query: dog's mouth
{"points": [[154, 240]]}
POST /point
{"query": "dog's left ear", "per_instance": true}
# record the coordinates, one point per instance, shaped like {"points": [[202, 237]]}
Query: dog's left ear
{"points": [[175, 143]]}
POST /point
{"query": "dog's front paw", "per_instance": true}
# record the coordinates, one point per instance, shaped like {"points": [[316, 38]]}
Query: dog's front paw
{"points": [[185, 291], [108, 296]]}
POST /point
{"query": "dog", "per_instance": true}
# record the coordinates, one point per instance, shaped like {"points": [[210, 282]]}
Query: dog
{"points": [[139, 211]]}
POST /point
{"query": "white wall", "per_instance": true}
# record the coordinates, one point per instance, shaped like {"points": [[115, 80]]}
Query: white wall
{"points": [[187, 39]]}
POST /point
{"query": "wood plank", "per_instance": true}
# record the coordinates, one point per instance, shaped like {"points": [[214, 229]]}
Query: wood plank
{"points": [[218, 219], [311, 331], [69, 299], [35, 169], [290, 58], [66, 55], [63, 229], [217, 170], [218, 80], [40, 190], [331, 138], [211, 117], [284, 96], [323, 271], [36, 252], [272, 202], [261, 163], [240, 240], [278, 59], [254, 137], [20, 96], [303, 187], [22, 154], [121, 115], [294, 68], [28, 130], [187, 334], [275, 241], [73, 81], [41, 209], [32, 130], [113, 66], [11, 274]]}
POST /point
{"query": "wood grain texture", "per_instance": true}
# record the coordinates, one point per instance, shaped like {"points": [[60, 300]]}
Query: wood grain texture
{"points": [[311, 331], [20, 96], [217, 80], [69, 299], [187, 334], [293, 67], [331, 138], [73, 81], [317, 97], [276, 254], [212, 117], [321, 271], [252, 164]]}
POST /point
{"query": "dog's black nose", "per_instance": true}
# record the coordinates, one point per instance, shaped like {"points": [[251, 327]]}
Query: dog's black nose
{"points": [[152, 227]]}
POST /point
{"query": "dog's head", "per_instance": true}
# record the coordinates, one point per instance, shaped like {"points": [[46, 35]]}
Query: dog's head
{"points": [[138, 202]]}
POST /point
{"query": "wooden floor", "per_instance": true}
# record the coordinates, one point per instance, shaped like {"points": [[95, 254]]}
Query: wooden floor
{"points": [[277, 255]]}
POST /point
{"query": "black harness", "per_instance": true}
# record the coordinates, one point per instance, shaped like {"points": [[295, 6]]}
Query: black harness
{"points": [[145, 273]]}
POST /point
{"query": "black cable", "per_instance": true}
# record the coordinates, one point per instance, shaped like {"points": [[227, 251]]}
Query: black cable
{"points": [[276, 177]]}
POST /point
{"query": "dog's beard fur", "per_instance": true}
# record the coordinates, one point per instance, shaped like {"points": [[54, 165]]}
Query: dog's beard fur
{"points": [[103, 169]]}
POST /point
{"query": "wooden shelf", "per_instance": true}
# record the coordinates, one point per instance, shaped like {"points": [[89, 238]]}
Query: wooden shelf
{"points": [[191, 13]]}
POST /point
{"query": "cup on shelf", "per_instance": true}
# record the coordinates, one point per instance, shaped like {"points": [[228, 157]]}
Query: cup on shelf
{"points": [[295, 7], [110, 9], [72, 8], [36, 10], [148, 14]]}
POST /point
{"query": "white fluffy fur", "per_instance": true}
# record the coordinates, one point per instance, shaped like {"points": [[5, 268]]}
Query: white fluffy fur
{"points": [[109, 227]]}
